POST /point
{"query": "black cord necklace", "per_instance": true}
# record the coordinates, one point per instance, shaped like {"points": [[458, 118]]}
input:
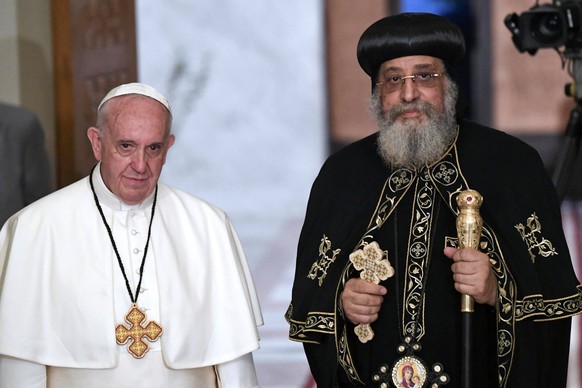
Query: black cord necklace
{"points": [[145, 252], [135, 316]]}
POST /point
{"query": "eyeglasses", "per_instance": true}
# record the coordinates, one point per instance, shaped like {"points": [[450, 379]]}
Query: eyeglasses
{"points": [[395, 82]]}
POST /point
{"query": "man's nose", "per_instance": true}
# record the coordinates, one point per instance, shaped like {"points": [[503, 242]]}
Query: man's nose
{"points": [[409, 90], [139, 160]]}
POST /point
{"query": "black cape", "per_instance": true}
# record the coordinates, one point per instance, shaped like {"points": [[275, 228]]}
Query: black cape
{"points": [[357, 199]]}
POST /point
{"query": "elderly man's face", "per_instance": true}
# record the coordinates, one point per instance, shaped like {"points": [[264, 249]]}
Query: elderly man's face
{"points": [[412, 91], [132, 147], [417, 119]]}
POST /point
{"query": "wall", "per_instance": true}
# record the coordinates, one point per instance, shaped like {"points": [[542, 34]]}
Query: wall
{"points": [[246, 85]]}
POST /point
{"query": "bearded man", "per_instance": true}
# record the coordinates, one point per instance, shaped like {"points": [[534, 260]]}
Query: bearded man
{"points": [[391, 196]]}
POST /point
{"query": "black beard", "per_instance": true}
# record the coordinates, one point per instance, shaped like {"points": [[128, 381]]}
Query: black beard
{"points": [[418, 141]]}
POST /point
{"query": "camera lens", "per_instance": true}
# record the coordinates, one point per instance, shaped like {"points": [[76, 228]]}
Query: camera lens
{"points": [[547, 27]]}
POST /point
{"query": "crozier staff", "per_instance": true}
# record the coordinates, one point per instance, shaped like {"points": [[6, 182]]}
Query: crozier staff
{"points": [[396, 188], [121, 280], [469, 226]]}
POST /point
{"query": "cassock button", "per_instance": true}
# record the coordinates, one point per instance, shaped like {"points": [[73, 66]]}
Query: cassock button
{"points": [[136, 250], [133, 232]]}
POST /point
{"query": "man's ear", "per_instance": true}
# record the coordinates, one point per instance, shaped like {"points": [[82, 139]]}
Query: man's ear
{"points": [[94, 135]]}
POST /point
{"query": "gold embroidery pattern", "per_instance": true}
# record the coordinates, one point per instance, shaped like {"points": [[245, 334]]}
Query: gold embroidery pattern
{"points": [[398, 183], [504, 352], [417, 259], [445, 173], [400, 179], [322, 265], [542, 310], [316, 322], [384, 211], [345, 359], [544, 247], [324, 322], [506, 291]]}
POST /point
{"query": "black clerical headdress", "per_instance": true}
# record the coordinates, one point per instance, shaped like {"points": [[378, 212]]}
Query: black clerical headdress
{"points": [[410, 34]]}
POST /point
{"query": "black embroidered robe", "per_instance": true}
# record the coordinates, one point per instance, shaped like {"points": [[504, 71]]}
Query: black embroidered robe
{"points": [[356, 199]]}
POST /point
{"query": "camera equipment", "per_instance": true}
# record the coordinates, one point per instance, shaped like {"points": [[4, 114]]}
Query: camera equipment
{"points": [[553, 26], [548, 26]]}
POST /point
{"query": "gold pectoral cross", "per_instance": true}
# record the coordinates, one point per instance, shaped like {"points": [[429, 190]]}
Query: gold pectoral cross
{"points": [[136, 332]]}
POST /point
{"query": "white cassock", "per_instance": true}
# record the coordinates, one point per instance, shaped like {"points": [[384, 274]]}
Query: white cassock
{"points": [[62, 293]]}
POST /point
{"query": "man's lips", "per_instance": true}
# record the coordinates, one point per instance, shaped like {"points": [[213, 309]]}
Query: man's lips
{"points": [[410, 113], [136, 180]]}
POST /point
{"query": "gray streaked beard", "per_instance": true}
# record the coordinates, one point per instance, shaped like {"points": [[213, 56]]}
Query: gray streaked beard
{"points": [[415, 143]]}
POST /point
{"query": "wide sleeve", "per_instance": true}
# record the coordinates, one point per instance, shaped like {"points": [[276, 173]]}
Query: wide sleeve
{"points": [[245, 272], [339, 209], [205, 269]]}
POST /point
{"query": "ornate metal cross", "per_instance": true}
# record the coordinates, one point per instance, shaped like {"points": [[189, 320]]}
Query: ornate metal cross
{"points": [[136, 332], [369, 260]]}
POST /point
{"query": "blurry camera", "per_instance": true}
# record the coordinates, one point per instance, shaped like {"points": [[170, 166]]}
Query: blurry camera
{"points": [[548, 26]]}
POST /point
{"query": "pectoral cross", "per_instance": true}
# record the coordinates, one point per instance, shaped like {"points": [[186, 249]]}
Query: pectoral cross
{"points": [[136, 332], [374, 268]]}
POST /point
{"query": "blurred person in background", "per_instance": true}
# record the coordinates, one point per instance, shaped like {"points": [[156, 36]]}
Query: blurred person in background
{"points": [[25, 171]]}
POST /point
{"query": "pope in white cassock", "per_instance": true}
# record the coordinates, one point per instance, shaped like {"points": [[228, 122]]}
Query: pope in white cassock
{"points": [[118, 280]]}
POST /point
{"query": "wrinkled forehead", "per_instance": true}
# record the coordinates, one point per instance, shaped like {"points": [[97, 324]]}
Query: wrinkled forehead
{"points": [[134, 117]]}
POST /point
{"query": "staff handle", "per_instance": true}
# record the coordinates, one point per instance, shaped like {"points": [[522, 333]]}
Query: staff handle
{"points": [[469, 226]]}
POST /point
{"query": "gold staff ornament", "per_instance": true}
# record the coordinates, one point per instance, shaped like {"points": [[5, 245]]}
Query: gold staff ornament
{"points": [[469, 225]]}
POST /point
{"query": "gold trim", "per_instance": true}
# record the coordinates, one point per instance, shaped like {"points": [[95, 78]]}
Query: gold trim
{"points": [[317, 322], [534, 306]]}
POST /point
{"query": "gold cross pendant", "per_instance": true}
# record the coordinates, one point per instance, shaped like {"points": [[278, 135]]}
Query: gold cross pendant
{"points": [[136, 332]]}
